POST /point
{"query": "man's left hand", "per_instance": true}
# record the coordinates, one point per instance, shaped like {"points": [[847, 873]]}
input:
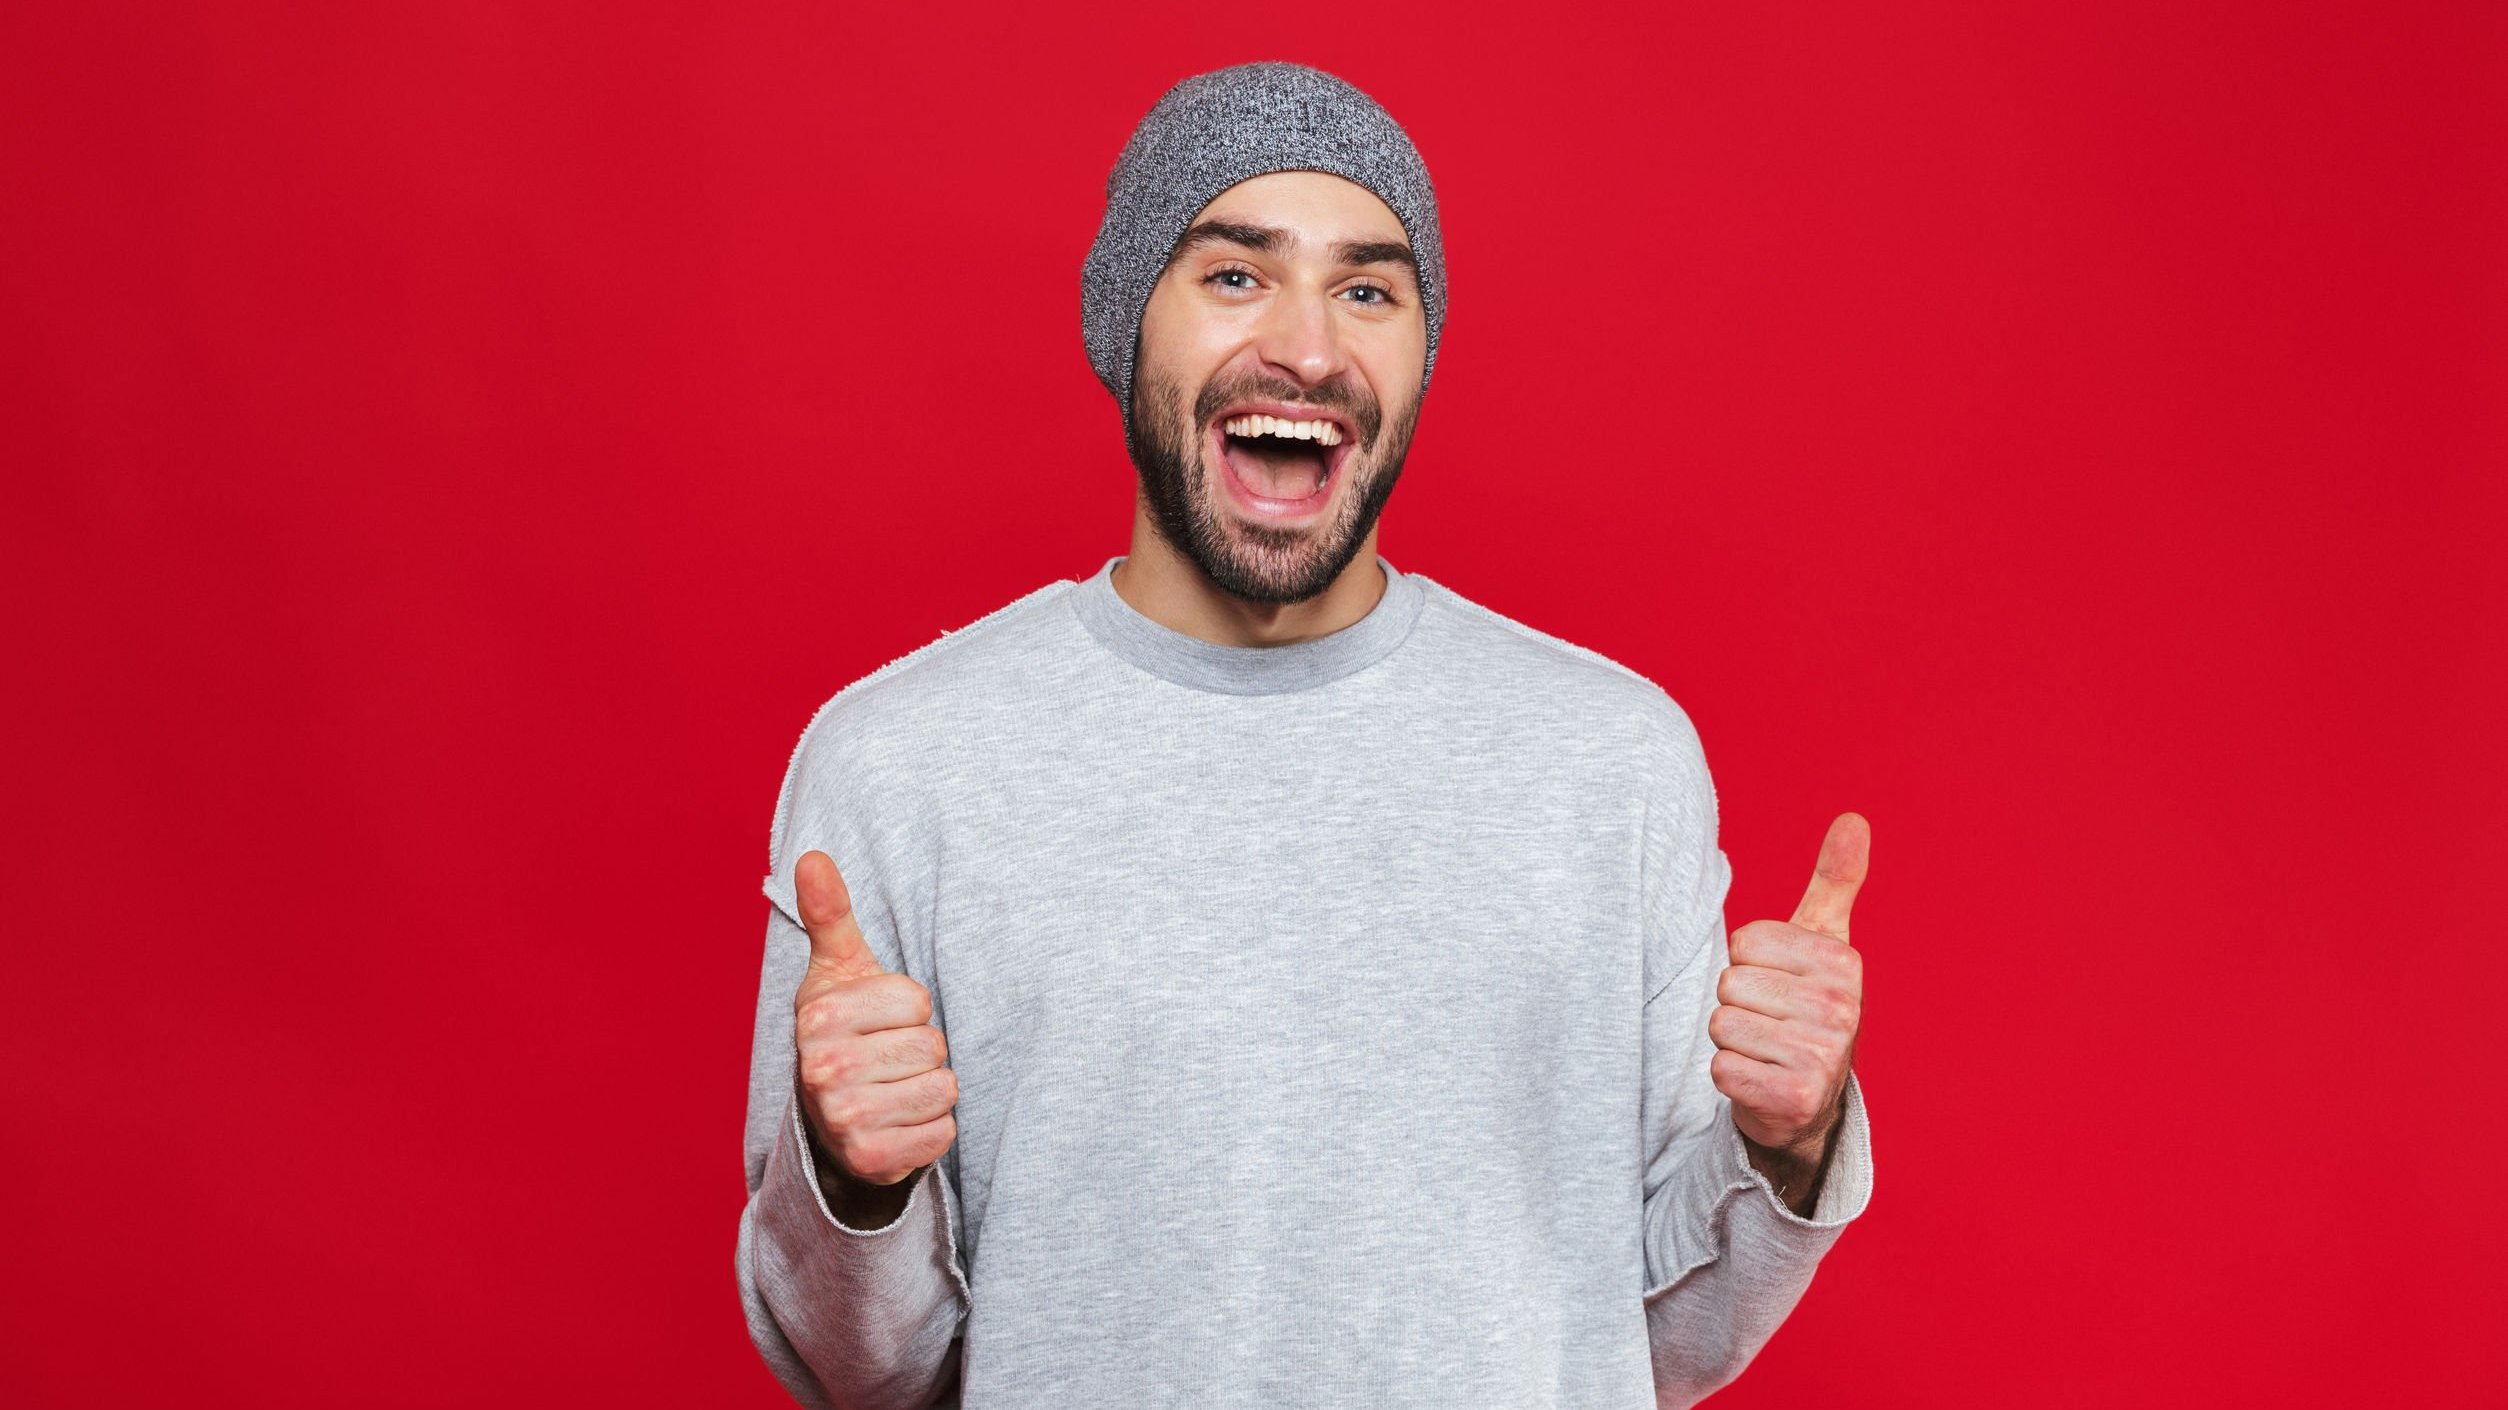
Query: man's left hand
{"points": [[1788, 1009]]}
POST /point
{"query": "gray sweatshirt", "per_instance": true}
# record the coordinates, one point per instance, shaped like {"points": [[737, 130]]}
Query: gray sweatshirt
{"points": [[1330, 1025]]}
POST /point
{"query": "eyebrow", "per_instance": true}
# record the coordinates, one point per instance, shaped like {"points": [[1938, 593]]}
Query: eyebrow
{"points": [[1272, 239]]}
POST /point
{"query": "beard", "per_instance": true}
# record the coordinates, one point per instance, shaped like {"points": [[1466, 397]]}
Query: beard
{"points": [[1258, 562]]}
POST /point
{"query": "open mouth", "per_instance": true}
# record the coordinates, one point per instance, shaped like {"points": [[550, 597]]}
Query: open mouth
{"points": [[1283, 463]]}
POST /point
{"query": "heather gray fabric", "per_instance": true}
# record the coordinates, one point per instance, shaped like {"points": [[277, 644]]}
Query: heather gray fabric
{"points": [[1330, 1023], [1212, 131]]}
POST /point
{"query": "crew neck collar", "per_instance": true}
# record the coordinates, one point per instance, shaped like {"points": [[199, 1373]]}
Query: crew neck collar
{"points": [[1247, 670]]}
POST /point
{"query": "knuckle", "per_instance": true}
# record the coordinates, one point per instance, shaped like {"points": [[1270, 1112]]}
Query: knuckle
{"points": [[899, 1000], [871, 1161], [838, 1008], [1727, 1070], [905, 1049], [1729, 1025], [811, 1015], [1802, 1100], [842, 1065]]}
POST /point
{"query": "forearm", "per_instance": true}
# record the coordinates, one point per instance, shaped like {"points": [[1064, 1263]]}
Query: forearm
{"points": [[1727, 1261], [847, 1315], [857, 1204], [847, 1302], [1797, 1173]]}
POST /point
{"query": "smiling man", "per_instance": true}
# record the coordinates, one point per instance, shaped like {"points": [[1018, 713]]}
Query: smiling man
{"points": [[1254, 976], [1262, 472]]}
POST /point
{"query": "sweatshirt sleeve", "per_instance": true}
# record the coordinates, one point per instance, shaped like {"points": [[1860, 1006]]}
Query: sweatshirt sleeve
{"points": [[1726, 1260], [853, 1319], [844, 1317]]}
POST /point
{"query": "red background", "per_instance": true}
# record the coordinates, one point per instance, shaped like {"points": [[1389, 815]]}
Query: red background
{"points": [[450, 450]]}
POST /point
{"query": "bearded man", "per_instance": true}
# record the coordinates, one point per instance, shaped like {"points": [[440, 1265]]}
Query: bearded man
{"points": [[1253, 976]]}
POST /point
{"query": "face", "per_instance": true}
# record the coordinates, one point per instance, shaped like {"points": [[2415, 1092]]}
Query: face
{"points": [[1278, 381]]}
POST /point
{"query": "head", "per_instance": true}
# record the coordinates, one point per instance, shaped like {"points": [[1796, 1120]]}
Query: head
{"points": [[1264, 300]]}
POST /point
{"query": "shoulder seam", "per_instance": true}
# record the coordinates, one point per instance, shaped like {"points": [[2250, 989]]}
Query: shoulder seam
{"points": [[948, 638], [1536, 634]]}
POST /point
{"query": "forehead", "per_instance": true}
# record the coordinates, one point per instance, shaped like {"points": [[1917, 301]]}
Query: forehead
{"points": [[1314, 203]]}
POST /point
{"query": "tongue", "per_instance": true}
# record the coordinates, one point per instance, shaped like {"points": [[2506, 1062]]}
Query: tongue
{"points": [[1277, 468]]}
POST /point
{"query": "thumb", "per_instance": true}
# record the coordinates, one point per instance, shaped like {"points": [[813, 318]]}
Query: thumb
{"points": [[1845, 855], [836, 943]]}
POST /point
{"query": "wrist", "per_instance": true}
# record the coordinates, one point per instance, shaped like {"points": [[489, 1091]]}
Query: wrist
{"points": [[856, 1203], [1796, 1170]]}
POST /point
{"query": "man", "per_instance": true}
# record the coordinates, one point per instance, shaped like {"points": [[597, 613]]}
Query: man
{"points": [[1236, 979]]}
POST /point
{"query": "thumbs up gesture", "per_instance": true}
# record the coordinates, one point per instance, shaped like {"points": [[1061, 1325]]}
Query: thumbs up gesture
{"points": [[874, 1089], [1788, 1008]]}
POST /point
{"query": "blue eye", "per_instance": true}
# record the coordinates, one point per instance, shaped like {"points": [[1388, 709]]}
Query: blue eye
{"points": [[1246, 275], [1381, 296]]}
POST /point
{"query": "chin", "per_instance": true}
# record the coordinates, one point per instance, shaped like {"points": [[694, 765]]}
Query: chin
{"points": [[1261, 563]]}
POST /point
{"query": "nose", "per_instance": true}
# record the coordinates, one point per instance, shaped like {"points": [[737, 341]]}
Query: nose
{"points": [[1299, 337]]}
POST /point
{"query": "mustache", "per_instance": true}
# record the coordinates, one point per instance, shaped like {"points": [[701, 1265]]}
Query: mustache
{"points": [[1355, 406]]}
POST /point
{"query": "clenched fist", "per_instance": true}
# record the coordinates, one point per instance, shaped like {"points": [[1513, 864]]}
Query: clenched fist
{"points": [[1788, 1008], [873, 1085]]}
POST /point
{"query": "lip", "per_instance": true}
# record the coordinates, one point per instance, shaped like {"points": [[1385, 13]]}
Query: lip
{"points": [[1262, 506], [1287, 411]]}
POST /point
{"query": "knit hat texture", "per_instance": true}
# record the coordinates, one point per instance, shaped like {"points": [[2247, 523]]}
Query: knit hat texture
{"points": [[1212, 131]]}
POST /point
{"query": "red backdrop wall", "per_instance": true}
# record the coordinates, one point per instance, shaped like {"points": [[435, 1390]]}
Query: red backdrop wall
{"points": [[450, 449]]}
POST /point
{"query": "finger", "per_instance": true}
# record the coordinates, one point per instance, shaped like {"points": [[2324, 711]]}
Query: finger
{"points": [[875, 1003], [888, 1155], [909, 1101], [895, 1054], [1782, 945], [1762, 989], [1753, 1035], [927, 1097], [1845, 856], [1751, 1083], [1773, 1105], [836, 942]]}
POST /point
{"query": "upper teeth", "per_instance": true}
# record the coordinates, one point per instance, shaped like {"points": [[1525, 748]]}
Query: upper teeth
{"points": [[1324, 431]]}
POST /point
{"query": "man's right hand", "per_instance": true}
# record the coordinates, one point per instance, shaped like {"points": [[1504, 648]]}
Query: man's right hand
{"points": [[874, 1087]]}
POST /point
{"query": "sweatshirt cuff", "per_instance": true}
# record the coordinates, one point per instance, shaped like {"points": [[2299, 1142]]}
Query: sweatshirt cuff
{"points": [[871, 1314], [793, 1149], [803, 1243], [1847, 1187]]}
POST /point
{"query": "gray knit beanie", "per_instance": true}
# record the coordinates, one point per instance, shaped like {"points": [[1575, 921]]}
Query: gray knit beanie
{"points": [[1212, 131]]}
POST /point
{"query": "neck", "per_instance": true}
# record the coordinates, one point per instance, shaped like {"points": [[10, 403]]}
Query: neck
{"points": [[1170, 589]]}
